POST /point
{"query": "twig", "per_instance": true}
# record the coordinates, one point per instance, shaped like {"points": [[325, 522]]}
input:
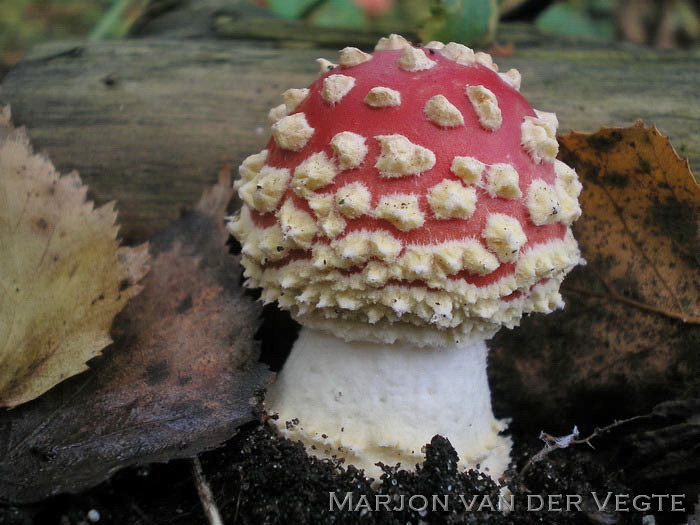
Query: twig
{"points": [[205, 495], [642, 306], [553, 443], [238, 499]]}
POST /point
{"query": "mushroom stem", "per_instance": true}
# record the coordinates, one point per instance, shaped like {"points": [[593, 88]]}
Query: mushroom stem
{"points": [[370, 402]]}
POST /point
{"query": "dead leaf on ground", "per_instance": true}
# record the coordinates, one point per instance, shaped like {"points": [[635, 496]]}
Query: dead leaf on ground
{"points": [[629, 335], [179, 379], [645, 204], [63, 275]]}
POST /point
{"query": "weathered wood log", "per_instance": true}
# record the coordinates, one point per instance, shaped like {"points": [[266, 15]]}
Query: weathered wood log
{"points": [[147, 121]]}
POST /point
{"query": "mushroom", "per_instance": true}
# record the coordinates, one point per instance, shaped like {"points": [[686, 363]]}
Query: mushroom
{"points": [[408, 205]]}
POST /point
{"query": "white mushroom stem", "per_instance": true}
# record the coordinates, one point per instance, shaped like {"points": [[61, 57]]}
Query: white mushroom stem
{"points": [[369, 402]]}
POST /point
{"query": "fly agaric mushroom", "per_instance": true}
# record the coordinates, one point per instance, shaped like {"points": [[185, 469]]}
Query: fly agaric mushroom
{"points": [[407, 206]]}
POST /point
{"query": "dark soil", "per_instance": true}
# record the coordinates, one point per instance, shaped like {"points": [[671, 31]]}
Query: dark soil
{"points": [[259, 477]]}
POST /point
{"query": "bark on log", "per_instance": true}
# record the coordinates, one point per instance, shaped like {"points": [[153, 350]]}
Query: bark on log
{"points": [[146, 122]]}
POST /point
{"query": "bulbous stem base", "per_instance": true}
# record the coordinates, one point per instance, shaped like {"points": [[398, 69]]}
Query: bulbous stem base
{"points": [[369, 402]]}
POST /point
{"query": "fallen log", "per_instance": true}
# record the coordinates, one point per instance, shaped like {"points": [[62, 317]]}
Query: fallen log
{"points": [[147, 121]]}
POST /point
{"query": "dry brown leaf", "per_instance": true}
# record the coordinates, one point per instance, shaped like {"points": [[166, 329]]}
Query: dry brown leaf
{"points": [[629, 335], [178, 380], [643, 203], [63, 276]]}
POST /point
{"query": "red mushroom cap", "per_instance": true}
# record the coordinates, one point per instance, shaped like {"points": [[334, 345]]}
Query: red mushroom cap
{"points": [[411, 187]]}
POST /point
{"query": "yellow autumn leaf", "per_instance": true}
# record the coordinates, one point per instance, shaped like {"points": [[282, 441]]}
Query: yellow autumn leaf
{"points": [[63, 275]]}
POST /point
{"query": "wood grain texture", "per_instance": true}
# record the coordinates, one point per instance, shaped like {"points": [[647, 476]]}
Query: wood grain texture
{"points": [[147, 121]]}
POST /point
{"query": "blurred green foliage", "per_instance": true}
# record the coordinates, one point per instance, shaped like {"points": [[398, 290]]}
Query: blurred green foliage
{"points": [[660, 23], [471, 22], [587, 18], [333, 13], [467, 21], [664, 23], [23, 23]]}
